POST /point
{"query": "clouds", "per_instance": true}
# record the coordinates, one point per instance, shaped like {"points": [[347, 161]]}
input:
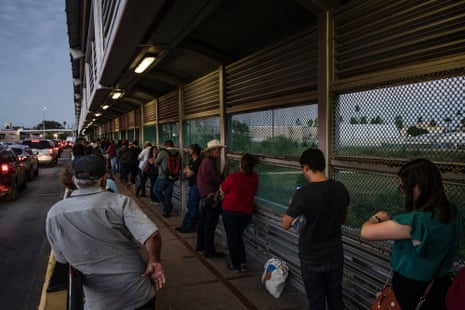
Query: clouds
{"points": [[34, 63]]}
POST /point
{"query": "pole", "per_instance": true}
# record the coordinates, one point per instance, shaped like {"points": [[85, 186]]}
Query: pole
{"points": [[43, 122]]}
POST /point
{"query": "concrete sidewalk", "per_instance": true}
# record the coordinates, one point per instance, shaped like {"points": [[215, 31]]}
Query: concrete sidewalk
{"points": [[195, 282]]}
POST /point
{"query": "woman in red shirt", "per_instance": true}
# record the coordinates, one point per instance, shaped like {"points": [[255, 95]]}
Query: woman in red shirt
{"points": [[239, 191]]}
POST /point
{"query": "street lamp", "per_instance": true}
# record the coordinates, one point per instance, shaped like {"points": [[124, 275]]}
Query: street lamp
{"points": [[43, 121]]}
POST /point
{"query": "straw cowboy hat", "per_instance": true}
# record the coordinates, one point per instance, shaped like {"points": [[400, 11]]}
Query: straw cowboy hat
{"points": [[213, 144]]}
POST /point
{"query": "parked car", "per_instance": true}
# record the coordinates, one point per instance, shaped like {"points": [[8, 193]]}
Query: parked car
{"points": [[12, 174], [44, 149], [28, 158]]}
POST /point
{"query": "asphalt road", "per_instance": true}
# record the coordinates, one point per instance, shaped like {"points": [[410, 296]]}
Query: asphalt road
{"points": [[24, 250]]}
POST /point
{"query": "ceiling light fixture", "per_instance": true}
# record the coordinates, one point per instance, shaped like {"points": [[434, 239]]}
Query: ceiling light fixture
{"points": [[98, 114], [117, 94], [145, 63], [105, 106]]}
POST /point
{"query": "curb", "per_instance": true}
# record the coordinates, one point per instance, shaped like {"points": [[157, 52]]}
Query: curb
{"points": [[48, 276]]}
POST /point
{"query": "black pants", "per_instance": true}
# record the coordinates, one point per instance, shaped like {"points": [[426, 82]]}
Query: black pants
{"points": [[408, 292], [208, 219]]}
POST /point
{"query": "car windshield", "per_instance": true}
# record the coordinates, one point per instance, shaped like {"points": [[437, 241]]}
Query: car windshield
{"points": [[17, 151]]}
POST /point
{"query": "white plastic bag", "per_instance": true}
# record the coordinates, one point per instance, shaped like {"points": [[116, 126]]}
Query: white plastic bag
{"points": [[298, 224], [274, 276]]}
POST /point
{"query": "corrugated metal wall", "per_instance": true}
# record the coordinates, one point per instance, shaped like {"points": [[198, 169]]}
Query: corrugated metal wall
{"points": [[285, 74], [201, 97], [168, 108], [372, 39]]}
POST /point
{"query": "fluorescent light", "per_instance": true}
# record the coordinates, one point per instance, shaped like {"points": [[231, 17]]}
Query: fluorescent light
{"points": [[98, 114], [117, 94], [145, 63], [106, 106]]}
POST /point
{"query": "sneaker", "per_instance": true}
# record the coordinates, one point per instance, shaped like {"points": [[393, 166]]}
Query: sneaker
{"points": [[232, 267]]}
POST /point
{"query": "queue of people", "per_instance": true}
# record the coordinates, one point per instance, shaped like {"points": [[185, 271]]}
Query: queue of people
{"points": [[426, 235]]}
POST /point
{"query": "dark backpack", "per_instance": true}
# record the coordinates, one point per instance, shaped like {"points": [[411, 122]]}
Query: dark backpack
{"points": [[172, 167]]}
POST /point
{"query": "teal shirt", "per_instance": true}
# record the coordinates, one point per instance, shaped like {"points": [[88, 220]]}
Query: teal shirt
{"points": [[436, 242]]}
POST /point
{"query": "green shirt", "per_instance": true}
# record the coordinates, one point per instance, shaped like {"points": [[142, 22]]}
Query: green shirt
{"points": [[432, 245]]}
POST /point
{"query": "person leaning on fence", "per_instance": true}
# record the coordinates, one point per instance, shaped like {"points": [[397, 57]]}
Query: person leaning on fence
{"points": [[104, 247], [324, 202], [239, 190], [163, 189], [426, 236], [209, 179], [189, 223]]}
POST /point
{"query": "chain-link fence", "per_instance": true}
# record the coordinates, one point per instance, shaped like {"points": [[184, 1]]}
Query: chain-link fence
{"points": [[201, 131], [416, 120], [384, 128], [284, 132]]}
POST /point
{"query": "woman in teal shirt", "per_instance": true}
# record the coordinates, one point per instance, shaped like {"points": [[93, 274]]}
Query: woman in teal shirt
{"points": [[426, 236]]}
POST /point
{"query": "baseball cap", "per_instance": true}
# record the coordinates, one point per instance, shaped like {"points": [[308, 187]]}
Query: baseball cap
{"points": [[90, 167]]}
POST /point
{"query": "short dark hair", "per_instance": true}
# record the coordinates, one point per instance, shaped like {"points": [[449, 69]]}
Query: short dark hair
{"points": [[314, 159], [196, 148], [169, 143]]}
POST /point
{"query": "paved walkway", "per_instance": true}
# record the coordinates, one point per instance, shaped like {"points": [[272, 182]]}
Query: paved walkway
{"points": [[195, 282]]}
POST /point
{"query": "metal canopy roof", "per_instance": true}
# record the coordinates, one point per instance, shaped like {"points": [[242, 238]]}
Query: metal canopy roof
{"points": [[190, 39]]}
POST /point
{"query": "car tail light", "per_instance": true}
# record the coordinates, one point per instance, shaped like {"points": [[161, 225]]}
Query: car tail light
{"points": [[51, 151], [22, 157], [5, 168]]}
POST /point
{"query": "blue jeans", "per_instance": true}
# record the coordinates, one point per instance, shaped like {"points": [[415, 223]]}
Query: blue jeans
{"points": [[323, 284], [191, 217], [113, 164], [143, 180], [153, 175], [163, 190], [234, 224]]}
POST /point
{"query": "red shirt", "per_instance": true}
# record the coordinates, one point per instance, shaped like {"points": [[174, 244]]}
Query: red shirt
{"points": [[239, 192], [111, 150]]}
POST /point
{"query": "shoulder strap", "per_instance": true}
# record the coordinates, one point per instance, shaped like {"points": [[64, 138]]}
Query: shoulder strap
{"points": [[430, 284]]}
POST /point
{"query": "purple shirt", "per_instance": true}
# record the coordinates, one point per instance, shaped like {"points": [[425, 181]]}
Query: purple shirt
{"points": [[209, 177]]}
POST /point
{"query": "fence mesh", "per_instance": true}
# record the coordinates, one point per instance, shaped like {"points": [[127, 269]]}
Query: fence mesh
{"points": [[397, 124], [283, 132], [416, 120]]}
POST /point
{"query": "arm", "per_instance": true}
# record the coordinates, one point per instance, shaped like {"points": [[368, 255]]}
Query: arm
{"points": [[381, 227], [286, 221], [154, 269]]}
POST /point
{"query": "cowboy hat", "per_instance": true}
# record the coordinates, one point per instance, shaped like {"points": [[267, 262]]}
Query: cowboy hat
{"points": [[213, 144]]}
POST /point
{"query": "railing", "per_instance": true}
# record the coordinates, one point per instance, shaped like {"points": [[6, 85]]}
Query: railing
{"points": [[366, 265]]}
